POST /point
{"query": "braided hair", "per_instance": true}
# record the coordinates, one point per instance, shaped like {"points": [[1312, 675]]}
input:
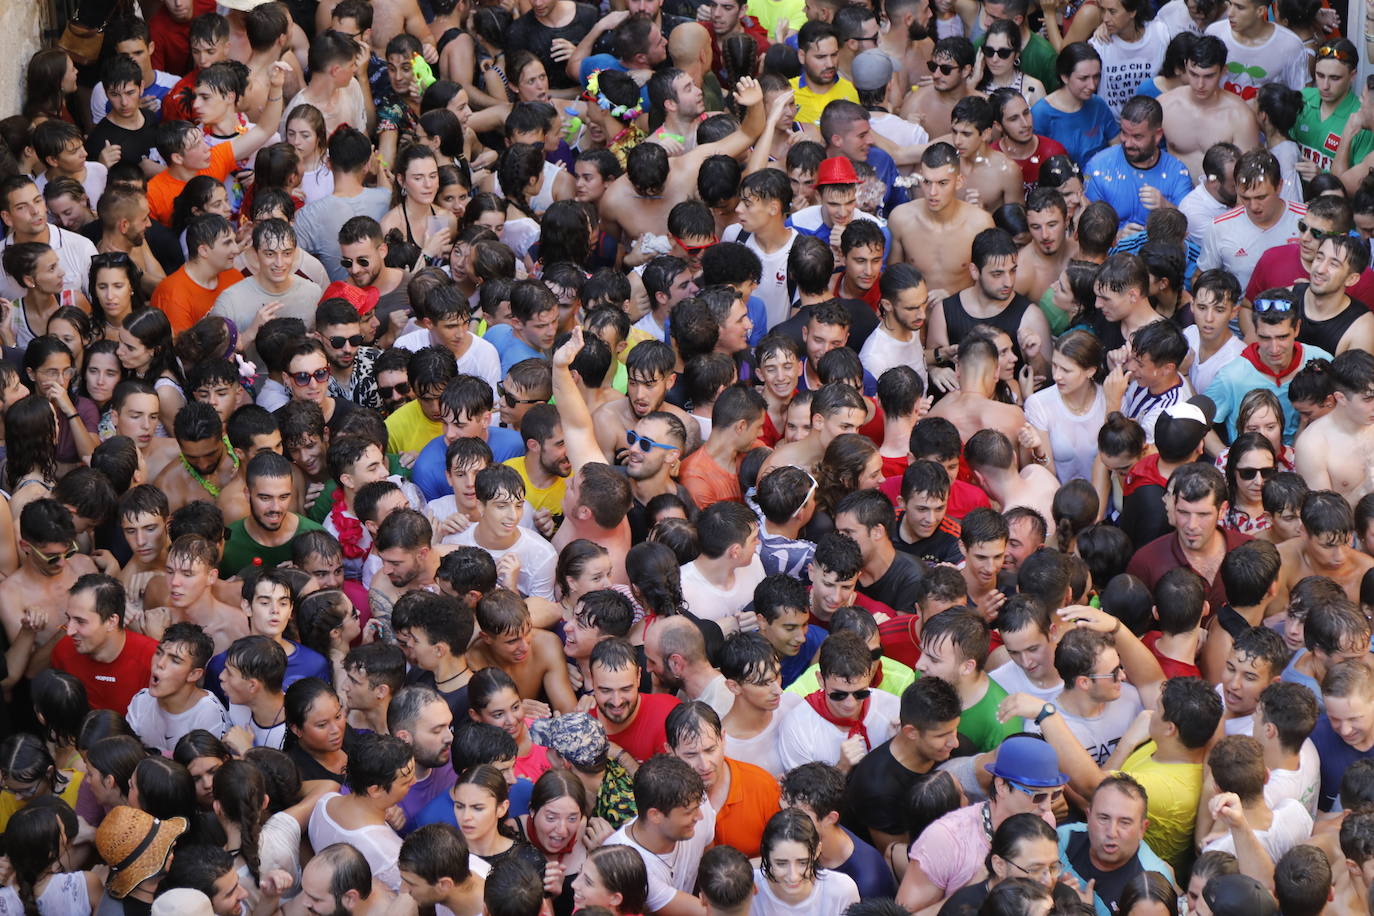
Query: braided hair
{"points": [[241, 797], [33, 841], [521, 164]]}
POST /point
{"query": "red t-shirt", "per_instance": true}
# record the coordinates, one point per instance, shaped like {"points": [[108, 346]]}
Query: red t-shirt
{"points": [[901, 639], [172, 39], [109, 686], [1030, 166], [1172, 666], [173, 106], [1282, 266], [645, 736], [963, 497]]}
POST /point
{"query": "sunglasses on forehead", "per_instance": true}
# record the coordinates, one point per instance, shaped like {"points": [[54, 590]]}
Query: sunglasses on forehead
{"points": [[1273, 305]]}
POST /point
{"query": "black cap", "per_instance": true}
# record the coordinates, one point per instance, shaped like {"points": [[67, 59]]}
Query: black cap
{"points": [[1239, 895]]}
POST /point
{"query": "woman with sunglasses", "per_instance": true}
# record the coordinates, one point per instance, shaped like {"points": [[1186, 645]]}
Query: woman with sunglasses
{"points": [[1023, 846], [789, 879], [1249, 463], [1000, 62]]}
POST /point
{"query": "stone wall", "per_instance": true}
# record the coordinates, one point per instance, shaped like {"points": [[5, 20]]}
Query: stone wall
{"points": [[21, 24]]}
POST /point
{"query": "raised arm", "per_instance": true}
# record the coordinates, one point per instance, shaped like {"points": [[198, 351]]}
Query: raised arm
{"points": [[763, 149], [1084, 773], [584, 47], [578, 431], [1142, 668], [249, 143], [750, 94]]}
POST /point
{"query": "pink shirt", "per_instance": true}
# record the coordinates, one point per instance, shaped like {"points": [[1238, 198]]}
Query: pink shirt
{"points": [[952, 851], [534, 764]]}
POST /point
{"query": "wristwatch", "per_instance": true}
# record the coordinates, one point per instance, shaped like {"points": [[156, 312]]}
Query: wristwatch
{"points": [[1046, 711]]}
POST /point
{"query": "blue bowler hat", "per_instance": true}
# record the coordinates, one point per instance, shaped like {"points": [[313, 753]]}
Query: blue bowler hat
{"points": [[1027, 761]]}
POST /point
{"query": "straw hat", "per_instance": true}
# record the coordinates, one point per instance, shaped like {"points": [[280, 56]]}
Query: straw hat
{"points": [[136, 846]]}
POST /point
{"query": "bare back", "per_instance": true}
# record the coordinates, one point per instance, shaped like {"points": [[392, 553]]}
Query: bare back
{"points": [[971, 412]]}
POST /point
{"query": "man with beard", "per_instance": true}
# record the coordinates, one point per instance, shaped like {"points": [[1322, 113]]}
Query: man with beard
{"points": [[419, 716], [544, 467], [675, 654], [351, 374], [650, 371], [743, 795], [362, 255], [678, 96], [265, 535], [34, 603], [992, 299], [1201, 114], [1050, 249], [1019, 141], [905, 41], [991, 179], [652, 467], [275, 283], [1215, 192], [950, 66], [820, 82], [1332, 319], [635, 722], [1135, 176], [1110, 849], [902, 314], [124, 223], [207, 464], [338, 882]]}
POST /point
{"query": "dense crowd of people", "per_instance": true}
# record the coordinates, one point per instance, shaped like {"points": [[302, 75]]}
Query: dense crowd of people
{"points": [[927, 466]]}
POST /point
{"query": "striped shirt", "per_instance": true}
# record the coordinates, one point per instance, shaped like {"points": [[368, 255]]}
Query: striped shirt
{"points": [[1143, 407]]}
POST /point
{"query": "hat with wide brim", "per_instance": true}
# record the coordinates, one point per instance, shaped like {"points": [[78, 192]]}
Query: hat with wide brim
{"points": [[135, 845]]}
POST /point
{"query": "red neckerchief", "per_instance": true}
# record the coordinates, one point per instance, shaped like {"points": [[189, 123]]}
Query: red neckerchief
{"points": [[853, 726], [1251, 353], [551, 853], [873, 295], [349, 528], [877, 681]]}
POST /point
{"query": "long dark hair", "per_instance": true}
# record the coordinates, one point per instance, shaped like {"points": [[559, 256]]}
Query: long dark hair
{"points": [[565, 233], [194, 196], [33, 842], [319, 614], [60, 702], [241, 793], [43, 84], [30, 440], [522, 163], [488, 777], [25, 758], [153, 330], [1245, 444], [657, 578]]}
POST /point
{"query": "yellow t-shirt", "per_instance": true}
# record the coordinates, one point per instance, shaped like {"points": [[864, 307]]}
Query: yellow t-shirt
{"points": [[768, 12], [550, 498], [10, 803], [1174, 790], [410, 430], [810, 103]]}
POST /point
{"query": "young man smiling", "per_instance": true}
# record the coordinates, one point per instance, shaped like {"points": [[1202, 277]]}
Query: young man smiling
{"points": [[113, 663], [275, 283]]}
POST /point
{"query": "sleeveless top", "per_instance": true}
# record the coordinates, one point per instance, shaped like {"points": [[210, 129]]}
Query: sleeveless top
{"points": [[1326, 334], [958, 322], [65, 895]]}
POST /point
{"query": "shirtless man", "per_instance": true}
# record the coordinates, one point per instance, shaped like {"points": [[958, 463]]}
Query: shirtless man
{"points": [[192, 573], [971, 408], [940, 214], [410, 560], [388, 21], [1336, 452], [1201, 114], [650, 370], [907, 39], [951, 65], [206, 464], [990, 178], [836, 409], [1323, 549], [1050, 248], [992, 299], [48, 567], [637, 203], [143, 514], [991, 457], [533, 658], [136, 410]]}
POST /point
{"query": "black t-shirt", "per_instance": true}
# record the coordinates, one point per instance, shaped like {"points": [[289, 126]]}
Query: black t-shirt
{"points": [[530, 34], [940, 547], [1109, 884], [1142, 515], [457, 700], [875, 797], [897, 587], [134, 145], [606, 43], [967, 901], [862, 322]]}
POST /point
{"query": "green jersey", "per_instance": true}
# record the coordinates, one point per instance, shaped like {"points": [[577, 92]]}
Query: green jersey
{"points": [[1319, 138]]}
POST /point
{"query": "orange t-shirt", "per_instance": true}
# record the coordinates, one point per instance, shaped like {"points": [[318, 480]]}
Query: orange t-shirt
{"points": [[163, 188], [754, 798], [707, 481], [184, 301]]}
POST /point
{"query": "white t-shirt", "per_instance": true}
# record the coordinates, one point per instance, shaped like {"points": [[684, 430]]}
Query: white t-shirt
{"points": [[378, 843], [711, 603], [676, 871], [263, 736], [1100, 735], [1174, 16], [481, 358], [762, 749], [74, 253], [93, 184], [441, 508], [834, 891], [1301, 784], [351, 110], [1127, 64], [1012, 679], [1235, 243], [1292, 825], [804, 736], [1073, 439], [773, 288], [161, 730], [537, 559], [716, 695], [1202, 373], [1281, 59], [897, 129], [1201, 208], [882, 351]]}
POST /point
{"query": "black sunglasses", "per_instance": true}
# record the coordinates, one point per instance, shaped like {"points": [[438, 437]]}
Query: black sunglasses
{"points": [[839, 696], [1003, 53], [305, 378], [337, 343], [1250, 473], [401, 388], [512, 401], [946, 69], [1305, 228], [346, 263]]}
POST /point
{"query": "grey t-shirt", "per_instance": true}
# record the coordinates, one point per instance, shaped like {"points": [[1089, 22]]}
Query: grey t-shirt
{"points": [[317, 224], [241, 302]]}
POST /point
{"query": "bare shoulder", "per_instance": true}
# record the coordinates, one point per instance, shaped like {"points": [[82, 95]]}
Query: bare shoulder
{"points": [[616, 410], [906, 216]]}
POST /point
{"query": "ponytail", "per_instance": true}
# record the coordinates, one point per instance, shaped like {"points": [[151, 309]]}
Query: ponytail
{"points": [[241, 793]]}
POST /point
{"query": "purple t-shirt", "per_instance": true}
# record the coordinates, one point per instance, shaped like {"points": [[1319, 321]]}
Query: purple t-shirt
{"points": [[437, 783]]}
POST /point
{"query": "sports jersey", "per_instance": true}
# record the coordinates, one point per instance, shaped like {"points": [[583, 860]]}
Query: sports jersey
{"points": [[1235, 243]]}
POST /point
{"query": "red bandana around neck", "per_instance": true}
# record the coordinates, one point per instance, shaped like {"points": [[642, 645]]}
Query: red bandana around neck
{"points": [[349, 528], [853, 726]]}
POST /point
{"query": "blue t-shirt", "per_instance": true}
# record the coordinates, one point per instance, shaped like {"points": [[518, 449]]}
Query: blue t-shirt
{"points": [[794, 666], [886, 168], [299, 664], [1082, 132], [869, 869], [510, 346], [1109, 177], [428, 471], [439, 810], [1336, 757]]}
